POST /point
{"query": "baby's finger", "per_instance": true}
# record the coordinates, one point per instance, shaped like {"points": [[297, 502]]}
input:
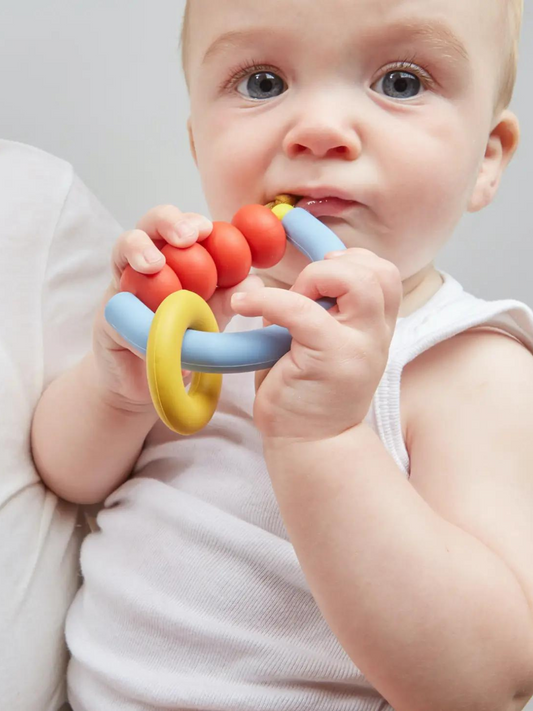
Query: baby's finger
{"points": [[308, 322], [136, 249], [111, 340], [220, 303], [386, 273], [181, 229], [359, 296], [366, 287]]}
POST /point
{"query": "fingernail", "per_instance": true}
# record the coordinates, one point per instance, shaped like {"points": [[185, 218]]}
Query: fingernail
{"points": [[335, 254], [204, 224], [185, 230], [152, 255]]}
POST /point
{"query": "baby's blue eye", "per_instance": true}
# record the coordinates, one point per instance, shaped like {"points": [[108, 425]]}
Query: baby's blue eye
{"points": [[267, 85], [400, 85], [263, 85]]}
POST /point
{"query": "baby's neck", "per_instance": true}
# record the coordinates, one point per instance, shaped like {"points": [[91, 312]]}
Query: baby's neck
{"points": [[418, 290]]}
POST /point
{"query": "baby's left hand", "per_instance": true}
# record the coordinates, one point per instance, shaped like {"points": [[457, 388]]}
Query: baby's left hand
{"points": [[325, 384]]}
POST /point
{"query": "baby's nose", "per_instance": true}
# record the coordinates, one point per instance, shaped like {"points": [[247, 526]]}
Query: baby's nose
{"points": [[322, 141]]}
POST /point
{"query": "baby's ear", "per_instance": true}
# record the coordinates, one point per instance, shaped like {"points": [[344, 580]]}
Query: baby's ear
{"points": [[501, 146], [191, 140]]}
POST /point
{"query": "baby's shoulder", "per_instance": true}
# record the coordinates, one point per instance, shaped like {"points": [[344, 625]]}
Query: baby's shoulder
{"points": [[470, 365]]}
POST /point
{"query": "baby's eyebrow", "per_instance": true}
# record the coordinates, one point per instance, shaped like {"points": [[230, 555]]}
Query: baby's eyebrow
{"points": [[436, 35], [231, 40]]}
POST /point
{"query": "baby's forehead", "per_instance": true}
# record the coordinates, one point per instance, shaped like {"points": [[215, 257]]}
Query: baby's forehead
{"points": [[477, 30], [208, 18]]}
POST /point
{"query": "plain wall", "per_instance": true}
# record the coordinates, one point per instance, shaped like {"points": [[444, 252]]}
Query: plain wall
{"points": [[98, 82]]}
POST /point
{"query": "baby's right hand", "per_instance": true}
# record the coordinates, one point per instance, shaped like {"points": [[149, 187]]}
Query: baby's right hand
{"points": [[121, 369]]}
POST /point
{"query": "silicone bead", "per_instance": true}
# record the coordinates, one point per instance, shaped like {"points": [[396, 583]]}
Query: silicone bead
{"points": [[287, 199], [151, 289], [230, 252], [194, 267], [281, 210], [283, 199], [263, 232]]}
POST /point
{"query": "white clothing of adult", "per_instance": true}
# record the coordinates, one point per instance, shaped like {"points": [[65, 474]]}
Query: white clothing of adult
{"points": [[193, 596], [56, 242]]}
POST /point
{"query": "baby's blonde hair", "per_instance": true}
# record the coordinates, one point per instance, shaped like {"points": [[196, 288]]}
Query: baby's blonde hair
{"points": [[514, 10]]}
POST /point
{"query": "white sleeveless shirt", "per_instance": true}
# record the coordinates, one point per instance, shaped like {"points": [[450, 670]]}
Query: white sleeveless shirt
{"points": [[193, 596]]}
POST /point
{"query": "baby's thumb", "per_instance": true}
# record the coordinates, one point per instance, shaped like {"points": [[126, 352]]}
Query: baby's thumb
{"points": [[220, 303]]}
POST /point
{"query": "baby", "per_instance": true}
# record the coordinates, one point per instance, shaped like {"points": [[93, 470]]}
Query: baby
{"points": [[331, 540]]}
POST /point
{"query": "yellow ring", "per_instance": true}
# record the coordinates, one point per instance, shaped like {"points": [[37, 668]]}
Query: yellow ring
{"points": [[183, 412]]}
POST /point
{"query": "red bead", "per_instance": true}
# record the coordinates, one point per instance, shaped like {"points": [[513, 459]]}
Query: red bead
{"points": [[151, 289], [194, 267], [264, 233], [230, 252]]}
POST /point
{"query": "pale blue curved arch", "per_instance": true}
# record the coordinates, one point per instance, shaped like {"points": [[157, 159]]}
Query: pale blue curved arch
{"points": [[229, 352]]}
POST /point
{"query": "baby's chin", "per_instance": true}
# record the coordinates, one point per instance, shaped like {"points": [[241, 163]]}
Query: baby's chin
{"points": [[284, 274]]}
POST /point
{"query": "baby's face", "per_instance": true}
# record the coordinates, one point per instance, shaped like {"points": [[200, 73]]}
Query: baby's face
{"points": [[373, 98]]}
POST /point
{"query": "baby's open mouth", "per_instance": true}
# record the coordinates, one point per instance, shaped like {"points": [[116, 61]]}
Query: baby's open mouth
{"points": [[326, 206], [283, 200]]}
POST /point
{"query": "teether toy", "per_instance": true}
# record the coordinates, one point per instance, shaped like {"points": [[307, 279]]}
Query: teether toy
{"points": [[183, 332]]}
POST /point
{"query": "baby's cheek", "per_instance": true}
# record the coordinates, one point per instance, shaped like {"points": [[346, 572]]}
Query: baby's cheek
{"points": [[232, 172], [431, 184]]}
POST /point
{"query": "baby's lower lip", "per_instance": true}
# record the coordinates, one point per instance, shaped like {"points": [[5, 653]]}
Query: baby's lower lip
{"points": [[328, 206]]}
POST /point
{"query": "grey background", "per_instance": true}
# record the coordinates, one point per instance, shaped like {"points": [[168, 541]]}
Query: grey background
{"points": [[98, 83]]}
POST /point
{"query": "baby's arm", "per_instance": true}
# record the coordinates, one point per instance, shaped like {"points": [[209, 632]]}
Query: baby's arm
{"points": [[428, 583], [90, 424], [84, 444]]}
